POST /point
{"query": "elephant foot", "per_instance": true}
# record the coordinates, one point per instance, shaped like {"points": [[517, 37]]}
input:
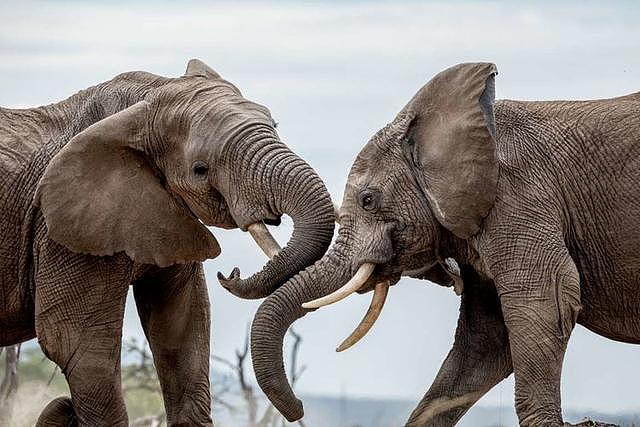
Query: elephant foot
{"points": [[590, 423], [58, 413]]}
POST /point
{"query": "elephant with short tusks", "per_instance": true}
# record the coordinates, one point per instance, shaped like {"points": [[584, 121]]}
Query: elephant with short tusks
{"points": [[530, 210], [113, 187]]}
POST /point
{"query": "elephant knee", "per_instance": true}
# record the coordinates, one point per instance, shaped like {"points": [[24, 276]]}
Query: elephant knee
{"points": [[568, 301], [58, 413]]}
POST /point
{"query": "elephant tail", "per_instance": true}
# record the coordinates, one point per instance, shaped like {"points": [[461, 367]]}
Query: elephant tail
{"points": [[59, 413]]}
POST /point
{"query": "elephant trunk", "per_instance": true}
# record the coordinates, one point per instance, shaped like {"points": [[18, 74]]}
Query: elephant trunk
{"points": [[288, 185], [279, 311]]}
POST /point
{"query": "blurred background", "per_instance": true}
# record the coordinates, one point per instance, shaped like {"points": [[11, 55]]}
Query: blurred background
{"points": [[332, 73]]}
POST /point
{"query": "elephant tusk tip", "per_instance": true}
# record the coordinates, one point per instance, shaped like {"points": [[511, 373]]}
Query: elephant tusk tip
{"points": [[342, 347], [309, 305], [375, 308]]}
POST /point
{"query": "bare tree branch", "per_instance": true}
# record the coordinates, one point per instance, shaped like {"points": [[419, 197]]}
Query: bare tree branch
{"points": [[53, 375], [142, 376], [270, 417], [9, 385], [297, 340], [225, 362]]}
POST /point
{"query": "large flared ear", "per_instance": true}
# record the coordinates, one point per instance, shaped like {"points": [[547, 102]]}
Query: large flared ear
{"points": [[195, 67], [453, 129], [101, 195]]}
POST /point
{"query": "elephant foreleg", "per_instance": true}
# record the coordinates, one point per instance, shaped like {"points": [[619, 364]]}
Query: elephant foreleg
{"points": [[79, 310], [479, 359], [174, 309]]}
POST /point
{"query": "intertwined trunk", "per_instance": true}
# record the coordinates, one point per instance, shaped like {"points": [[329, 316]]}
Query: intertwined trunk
{"points": [[287, 185], [280, 310]]}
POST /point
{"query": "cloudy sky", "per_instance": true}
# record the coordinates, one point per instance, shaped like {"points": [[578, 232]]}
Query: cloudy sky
{"points": [[332, 73]]}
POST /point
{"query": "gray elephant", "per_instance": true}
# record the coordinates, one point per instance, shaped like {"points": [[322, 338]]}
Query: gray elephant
{"points": [[113, 187], [538, 202]]}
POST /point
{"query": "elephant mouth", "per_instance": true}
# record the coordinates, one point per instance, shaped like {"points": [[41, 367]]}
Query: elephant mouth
{"points": [[273, 221], [257, 229], [376, 277], [419, 272], [381, 273], [414, 265], [360, 281]]}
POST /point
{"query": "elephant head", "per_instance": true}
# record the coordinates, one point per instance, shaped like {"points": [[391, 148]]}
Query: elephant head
{"points": [[191, 152], [419, 188]]}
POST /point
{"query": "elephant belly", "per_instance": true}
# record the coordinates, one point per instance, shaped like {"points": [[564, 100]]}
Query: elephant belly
{"points": [[610, 293], [604, 242], [17, 304], [15, 331], [618, 325], [16, 300]]}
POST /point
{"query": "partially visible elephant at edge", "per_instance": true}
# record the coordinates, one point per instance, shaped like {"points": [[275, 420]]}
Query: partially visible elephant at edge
{"points": [[113, 187], [537, 202]]}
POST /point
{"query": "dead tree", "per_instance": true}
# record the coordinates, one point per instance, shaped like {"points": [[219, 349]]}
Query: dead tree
{"points": [[142, 376], [9, 385], [252, 401]]}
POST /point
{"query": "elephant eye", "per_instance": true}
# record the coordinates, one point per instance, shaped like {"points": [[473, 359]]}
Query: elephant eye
{"points": [[200, 168], [368, 201]]}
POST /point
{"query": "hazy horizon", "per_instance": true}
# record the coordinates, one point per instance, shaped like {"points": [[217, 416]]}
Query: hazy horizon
{"points": [[333, 73]]}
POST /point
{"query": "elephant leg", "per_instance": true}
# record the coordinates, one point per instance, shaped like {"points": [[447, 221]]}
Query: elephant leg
{"points": [[173, 305], [480, 358], [79, 310], [59, 412], [540, 301]]}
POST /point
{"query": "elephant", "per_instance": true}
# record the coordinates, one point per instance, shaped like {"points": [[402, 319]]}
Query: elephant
{"points": [[529, 210], [113, 188]]}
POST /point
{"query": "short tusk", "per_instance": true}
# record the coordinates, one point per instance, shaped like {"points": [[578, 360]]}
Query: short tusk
{"points": [[352, 285], [264, 239], [375, 308]]}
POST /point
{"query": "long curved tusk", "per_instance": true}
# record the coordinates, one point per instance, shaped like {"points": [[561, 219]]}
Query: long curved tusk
{"points": [[355, 283], [264, 239], [380, 293]]}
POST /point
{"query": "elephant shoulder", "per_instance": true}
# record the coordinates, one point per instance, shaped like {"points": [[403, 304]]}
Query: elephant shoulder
{"points": [[517, 131]]}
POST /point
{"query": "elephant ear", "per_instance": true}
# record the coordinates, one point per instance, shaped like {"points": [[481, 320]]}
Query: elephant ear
{"points": [[195, 67], [100, 195], [453, 129]]}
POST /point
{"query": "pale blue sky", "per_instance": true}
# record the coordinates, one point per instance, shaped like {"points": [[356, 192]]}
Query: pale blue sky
{"points": [[333, 73]]}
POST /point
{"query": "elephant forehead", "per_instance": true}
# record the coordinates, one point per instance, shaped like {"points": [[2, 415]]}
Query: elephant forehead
{"points": [[213, 100], [376, 167], [228, 116]]}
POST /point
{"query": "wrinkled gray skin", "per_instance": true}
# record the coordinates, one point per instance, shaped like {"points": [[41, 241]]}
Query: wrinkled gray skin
{"points": [[538, 202], [110, 188]]}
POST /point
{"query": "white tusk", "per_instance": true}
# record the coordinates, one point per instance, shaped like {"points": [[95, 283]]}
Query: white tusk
{"points": [[377, 302], [336, 210], [264, 239], [356, 282]]}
